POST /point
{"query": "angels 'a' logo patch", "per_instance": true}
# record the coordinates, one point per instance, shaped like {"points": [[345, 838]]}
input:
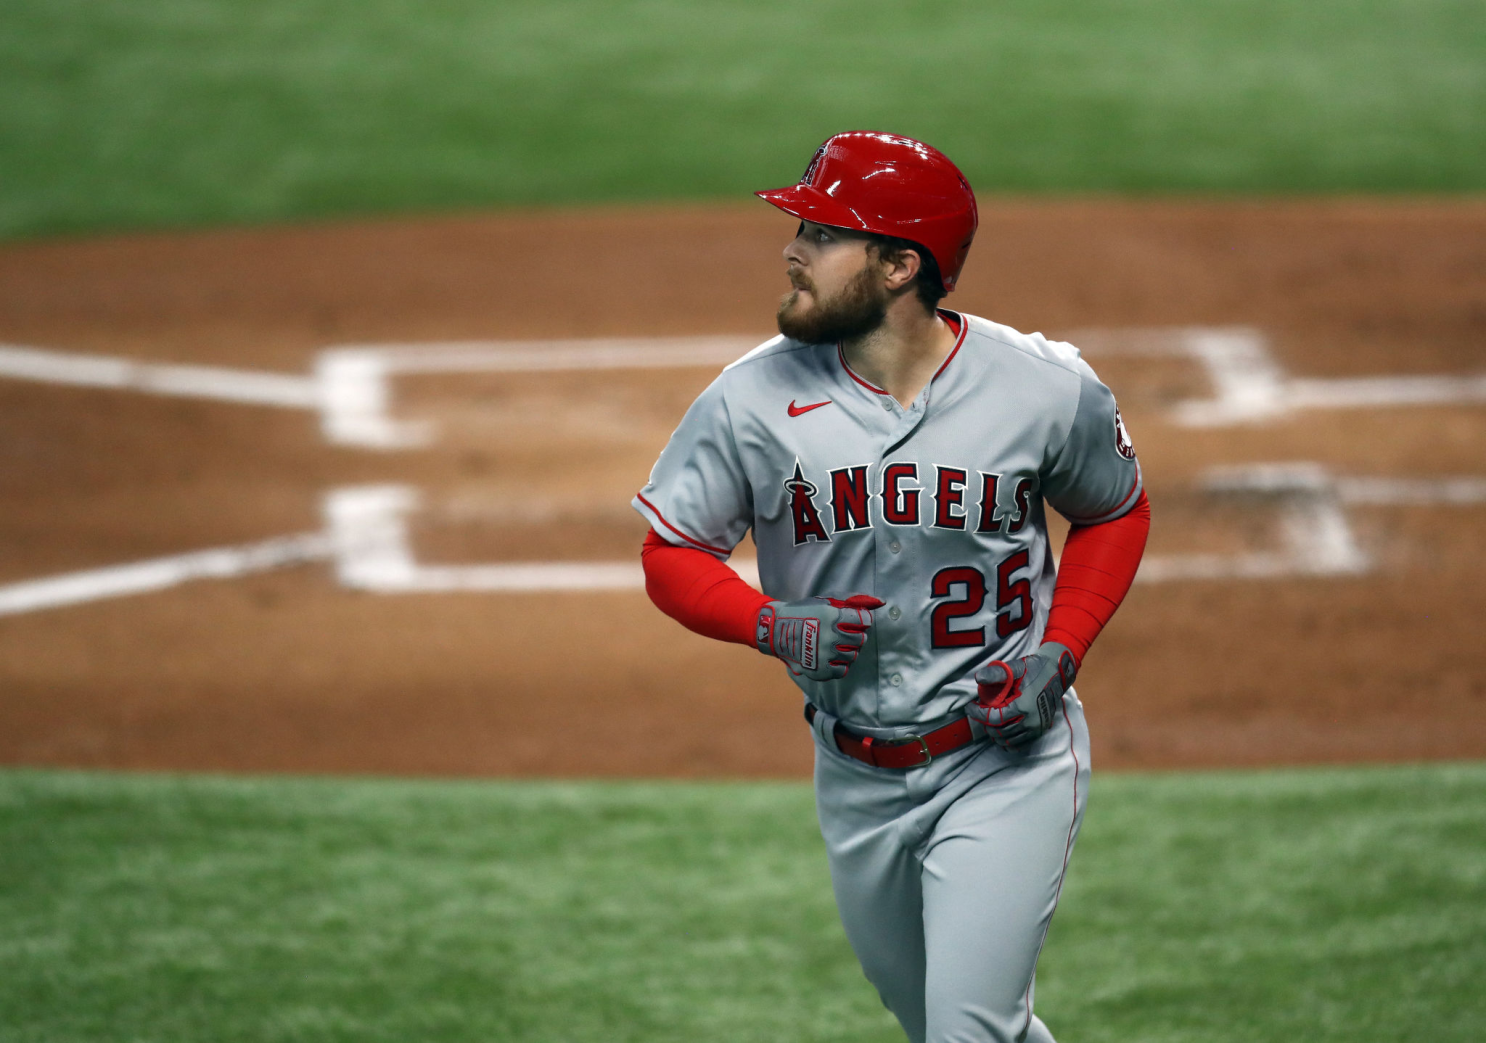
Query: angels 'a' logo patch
{"points": [[1123, 445], [802, 492], [809, 178]]}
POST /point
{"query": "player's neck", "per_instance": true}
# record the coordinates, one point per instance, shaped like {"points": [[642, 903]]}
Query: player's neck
{"points": [[902, 355]]}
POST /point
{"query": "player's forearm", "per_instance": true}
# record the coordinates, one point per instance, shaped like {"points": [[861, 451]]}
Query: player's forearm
{"points": [[1094, 574], [700, 592]]}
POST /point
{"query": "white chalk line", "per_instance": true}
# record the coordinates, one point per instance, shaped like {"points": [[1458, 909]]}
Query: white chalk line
{"points": [[366, 538], [1313, 530], [368, 528], [541, 356], [252, 387], [143, 577], [356, 381], [1411, 490], [351, 384], [351, 390], [1250, 387], [1308, 478]]}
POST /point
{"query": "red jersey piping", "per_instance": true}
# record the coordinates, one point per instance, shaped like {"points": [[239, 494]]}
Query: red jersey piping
{"points": [[956, 322], [841, 354], [960, 326], [1124, 504], [678, 532]]}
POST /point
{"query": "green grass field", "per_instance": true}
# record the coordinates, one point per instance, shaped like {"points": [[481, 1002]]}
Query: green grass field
{"points": [[1318, 905], [206, 111]]}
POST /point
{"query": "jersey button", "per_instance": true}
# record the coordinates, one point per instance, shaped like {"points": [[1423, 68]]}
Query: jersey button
{"points": [[895, 546], [887, 405], [894, 612], [897, 680]]}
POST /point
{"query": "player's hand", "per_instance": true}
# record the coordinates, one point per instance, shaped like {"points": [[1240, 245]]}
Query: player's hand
{"points": [[819, 638], [1019, 700]]}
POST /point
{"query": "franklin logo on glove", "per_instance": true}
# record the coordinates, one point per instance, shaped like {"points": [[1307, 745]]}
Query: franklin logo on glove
{"points": [[791, 631]]}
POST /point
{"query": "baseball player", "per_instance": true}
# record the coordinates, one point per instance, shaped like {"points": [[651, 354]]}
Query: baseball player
{"points": [[892, 460]]}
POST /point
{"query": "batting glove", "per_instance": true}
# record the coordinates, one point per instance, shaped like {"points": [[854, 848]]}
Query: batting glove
{"points": [[819, 638], [1019, 700]]}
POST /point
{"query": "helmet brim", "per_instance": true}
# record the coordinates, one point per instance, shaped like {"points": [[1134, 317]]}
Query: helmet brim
{"points": [[809, 203]]}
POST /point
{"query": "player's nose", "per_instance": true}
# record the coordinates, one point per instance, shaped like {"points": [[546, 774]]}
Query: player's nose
{"points": [[794, 256]]}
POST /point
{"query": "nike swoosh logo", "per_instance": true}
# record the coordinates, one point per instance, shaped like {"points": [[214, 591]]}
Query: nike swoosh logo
{"points": [[795, 410]]}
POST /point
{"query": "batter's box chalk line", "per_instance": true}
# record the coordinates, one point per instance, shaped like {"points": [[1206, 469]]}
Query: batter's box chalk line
{"points": [[355, 383], [1250, 387], [351, 387], [366, 542], [366, 536]]}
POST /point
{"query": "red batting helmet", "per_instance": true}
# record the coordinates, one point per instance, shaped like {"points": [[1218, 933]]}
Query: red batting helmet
{"points": [[889, 185]]}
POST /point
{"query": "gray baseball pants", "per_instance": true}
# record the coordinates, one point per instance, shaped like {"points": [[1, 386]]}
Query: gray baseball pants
{"points": [[946, 876]]}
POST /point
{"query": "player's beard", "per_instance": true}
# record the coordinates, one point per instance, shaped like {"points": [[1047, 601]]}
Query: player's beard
{"points": [[855, 311]]}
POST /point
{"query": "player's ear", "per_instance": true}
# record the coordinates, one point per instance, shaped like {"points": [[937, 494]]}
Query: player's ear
{"points": [[901, 269]]}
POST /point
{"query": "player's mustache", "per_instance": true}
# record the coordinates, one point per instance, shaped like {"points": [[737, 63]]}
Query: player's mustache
{"points": [[799, 281]]}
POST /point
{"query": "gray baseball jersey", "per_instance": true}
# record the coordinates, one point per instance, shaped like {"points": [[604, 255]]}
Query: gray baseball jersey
{"points": [[936, 508], [946, 875]]}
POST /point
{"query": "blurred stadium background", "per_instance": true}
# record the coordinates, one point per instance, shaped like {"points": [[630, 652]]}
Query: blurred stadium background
{"points": [[335, 337]]}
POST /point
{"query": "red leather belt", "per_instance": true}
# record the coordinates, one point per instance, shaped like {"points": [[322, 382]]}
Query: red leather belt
{"points": [[911, 751]]}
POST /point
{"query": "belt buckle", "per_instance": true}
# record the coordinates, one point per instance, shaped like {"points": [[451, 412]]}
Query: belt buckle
{"points": [[923, 745]]}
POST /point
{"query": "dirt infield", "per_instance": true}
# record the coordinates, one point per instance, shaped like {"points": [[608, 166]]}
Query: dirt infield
{"points": [[289, 671]]}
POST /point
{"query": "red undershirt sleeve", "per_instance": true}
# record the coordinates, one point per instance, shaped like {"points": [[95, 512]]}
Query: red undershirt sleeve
{"points": [[1097, 567], [1095, 572], [700, 592]]}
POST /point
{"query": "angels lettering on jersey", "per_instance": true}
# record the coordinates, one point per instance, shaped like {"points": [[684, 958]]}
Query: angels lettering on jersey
{"points": [[944, 497]]}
